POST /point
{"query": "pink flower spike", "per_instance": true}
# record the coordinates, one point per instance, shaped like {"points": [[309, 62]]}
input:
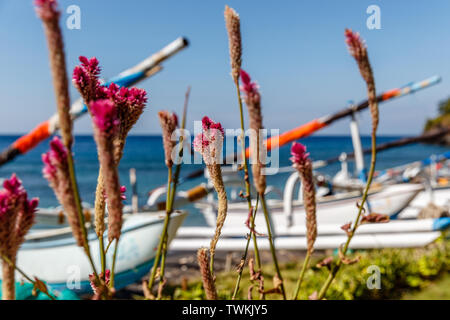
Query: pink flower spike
{"points": [[85, 79], [355, 44], [13, 185], [47, 9], [299, 154], [90, 65], [105, 118], [123, 196], [208, 124], [248, 87], [209, 142], [123, 189]]}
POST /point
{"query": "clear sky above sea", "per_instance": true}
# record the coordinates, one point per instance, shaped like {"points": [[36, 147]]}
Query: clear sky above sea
{"points": [[294, 49]]}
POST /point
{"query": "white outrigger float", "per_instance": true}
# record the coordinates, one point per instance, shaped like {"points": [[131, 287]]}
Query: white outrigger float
{"points": [[402, 202], [333, 209]]}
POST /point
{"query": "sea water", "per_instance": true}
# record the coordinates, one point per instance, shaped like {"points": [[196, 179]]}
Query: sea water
{"points": [[145, 154]]}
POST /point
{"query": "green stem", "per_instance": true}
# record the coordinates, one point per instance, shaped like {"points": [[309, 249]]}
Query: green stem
{"points": [[102, 254], [162, 269], [171, 192], [302, 274], [244, 258], [335, 269], [271, 243], [113, 266], [164, 232], [13, 265], [74, 184], [246, 176]]}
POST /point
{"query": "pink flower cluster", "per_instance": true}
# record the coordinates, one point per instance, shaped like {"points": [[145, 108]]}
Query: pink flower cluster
{"points": [[299, 154], [97, 287], [104, 116], [16, 215], [123, 196], [356, 45], [209, 142], [56, 171], [125, 96], [47, 9], [251, 89], [86, 79], [56, 156]]}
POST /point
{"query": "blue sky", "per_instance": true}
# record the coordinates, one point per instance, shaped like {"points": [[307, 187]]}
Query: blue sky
{"points": [[294, 49]]}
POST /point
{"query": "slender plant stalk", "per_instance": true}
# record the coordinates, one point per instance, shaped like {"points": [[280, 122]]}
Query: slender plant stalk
{"points": [[244, 256], [338, 264], [358, 50], [100, 218], [171, 192], [162, 268], [248, 193], [302, 274], [271, 243], [13, 265], [246, 177], [164, 232], [113, 266], [102, 254], [73, 181]]}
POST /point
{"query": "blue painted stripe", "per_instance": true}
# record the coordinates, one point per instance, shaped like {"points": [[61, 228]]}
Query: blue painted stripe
{"points": [[68, 239], [127, 80], [121, 279], [439, 157], [121, 82], [441, 223]]}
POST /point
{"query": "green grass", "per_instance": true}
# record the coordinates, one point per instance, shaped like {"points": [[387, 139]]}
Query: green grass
{"points": [[437, 290], [404, 273]]}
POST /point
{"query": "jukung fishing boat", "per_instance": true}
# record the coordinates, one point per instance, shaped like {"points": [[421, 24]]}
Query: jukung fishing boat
{"points": [[387, 196], [63, 265]]}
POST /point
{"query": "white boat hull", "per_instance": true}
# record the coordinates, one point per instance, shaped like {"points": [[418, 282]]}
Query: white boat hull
{"points": [[63, 265], [392, 227], [439, 197], [390, 201], [360, 241]]}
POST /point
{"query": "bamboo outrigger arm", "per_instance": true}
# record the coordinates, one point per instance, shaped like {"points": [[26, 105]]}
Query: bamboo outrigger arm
{"points": [[317, 124], [129, 77]]}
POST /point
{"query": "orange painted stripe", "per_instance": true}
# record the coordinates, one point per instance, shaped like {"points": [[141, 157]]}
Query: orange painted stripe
{"points": [[291, 135], [30, 140], [390, 94]]}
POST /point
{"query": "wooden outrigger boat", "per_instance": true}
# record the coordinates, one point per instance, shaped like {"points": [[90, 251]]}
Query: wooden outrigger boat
{"points": [[63, 265]]}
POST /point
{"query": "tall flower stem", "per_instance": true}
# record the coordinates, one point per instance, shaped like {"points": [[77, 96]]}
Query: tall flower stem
{"points": [[244, 257], [163, 233], [337, 266], [50, 17], [14, 266], [302, 274], [100, 218], [171, 192], [101, 245], [271, 242], [246, 176], [113, 265], [73, 181], [358, 50]]}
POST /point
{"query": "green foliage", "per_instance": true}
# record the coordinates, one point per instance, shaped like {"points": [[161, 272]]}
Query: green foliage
{"points": [[401, 270], [444, 107], [443, 119]]}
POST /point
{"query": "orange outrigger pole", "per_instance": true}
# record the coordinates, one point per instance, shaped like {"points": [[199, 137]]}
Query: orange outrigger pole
{"points": [[317, 124]]}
